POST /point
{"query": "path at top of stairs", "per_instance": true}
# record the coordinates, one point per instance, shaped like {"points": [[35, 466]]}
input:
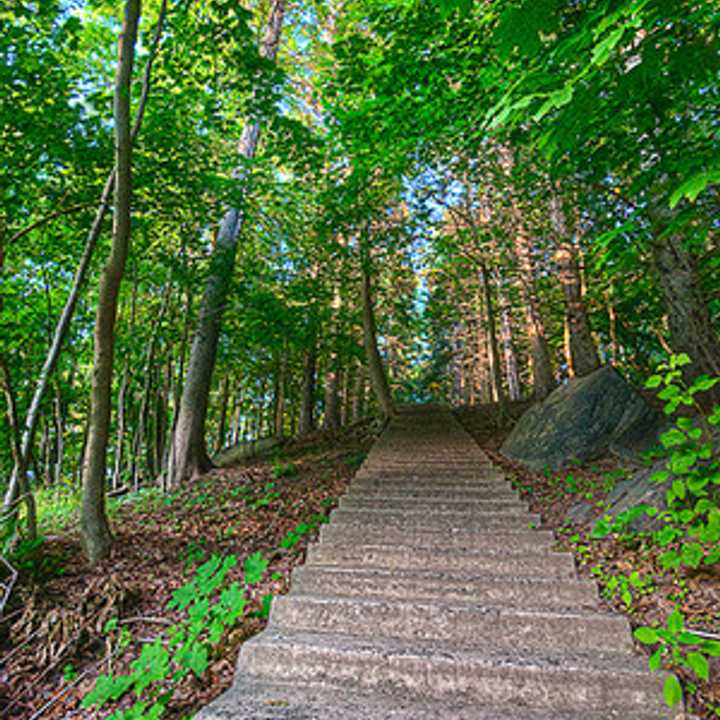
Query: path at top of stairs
{"points": [[430, 597]]}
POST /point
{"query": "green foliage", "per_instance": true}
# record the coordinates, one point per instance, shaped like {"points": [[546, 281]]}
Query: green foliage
{"points": [[284, 470], [680, 647], [210, 606], [690, 522]]}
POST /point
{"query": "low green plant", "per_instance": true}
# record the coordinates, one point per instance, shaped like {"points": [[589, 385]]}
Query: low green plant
{"points": [[210, 605], [284, 470], [689, 529], [680, 648]]}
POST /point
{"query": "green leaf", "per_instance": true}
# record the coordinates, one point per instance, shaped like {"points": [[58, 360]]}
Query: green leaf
{"points": [[672, 692], [691, 554], [646, 635], [255, 567], [601, 52], [694, 185], [673, 438], [197, 659], [699, 664], [655, 661], [654, 381], [675, 622]]}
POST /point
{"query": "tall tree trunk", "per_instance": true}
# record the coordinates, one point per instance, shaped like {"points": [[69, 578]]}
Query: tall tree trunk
{"points": [[94, 524], [691, 329], [189, 450], [689, 323], [307, 409], [543, 379], [584, 357], [120, 433], [511, 364], [494, 352], [332, 396], [65, 319], [222, 420], [358, 394], [279, 400], [378, 376]]}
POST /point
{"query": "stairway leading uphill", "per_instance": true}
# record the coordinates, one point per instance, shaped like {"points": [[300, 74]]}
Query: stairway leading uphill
{"points": [[430, 597]]}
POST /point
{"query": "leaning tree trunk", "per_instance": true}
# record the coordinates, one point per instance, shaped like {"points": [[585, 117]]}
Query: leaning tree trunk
{"points": [[95, 529], [378, 376], [584, 357], [189, 451]]}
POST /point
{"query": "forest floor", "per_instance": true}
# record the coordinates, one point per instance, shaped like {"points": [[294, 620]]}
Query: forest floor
{"points": [[649, 593], [67, 622]]}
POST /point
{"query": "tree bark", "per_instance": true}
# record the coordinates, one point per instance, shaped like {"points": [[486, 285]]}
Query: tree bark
{"points": [[190, 457], [689, 323], [332, 396], [307, 409], [584, 357], [494, 352], [222, 420], [95, 529], [378, 376], [543, 379], [511, 364], [358, 395], [279, 399]]}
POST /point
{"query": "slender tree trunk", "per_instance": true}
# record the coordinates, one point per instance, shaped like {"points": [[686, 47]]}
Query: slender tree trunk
{"points": [[584, 357], [63, 323], [58, 409], [511, 364], [378, 376], [358, 395], [120, 434], [189, 450], [494, 352], [279, 404], [94, 525], [27, 496], [612, 325], [332, 396], [222, 420], [307, 409]]}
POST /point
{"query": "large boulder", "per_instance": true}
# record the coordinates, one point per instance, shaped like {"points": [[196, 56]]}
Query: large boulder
{"points": [[583, 420]]}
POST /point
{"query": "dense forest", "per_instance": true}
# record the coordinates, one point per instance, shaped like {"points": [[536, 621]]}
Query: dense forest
{"points": [[222, 222]]}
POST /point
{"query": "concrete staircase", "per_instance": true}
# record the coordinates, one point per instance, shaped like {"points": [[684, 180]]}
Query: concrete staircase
{"points": [[430, 597]]}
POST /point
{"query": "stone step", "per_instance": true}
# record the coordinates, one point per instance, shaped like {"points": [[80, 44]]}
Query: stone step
{"points": [[580, 682], [248, 700], [360, 502], [438, 481], [436, 521], [521, 541], [528, 592], [496, 491], [461, 625], [559, 565]]}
